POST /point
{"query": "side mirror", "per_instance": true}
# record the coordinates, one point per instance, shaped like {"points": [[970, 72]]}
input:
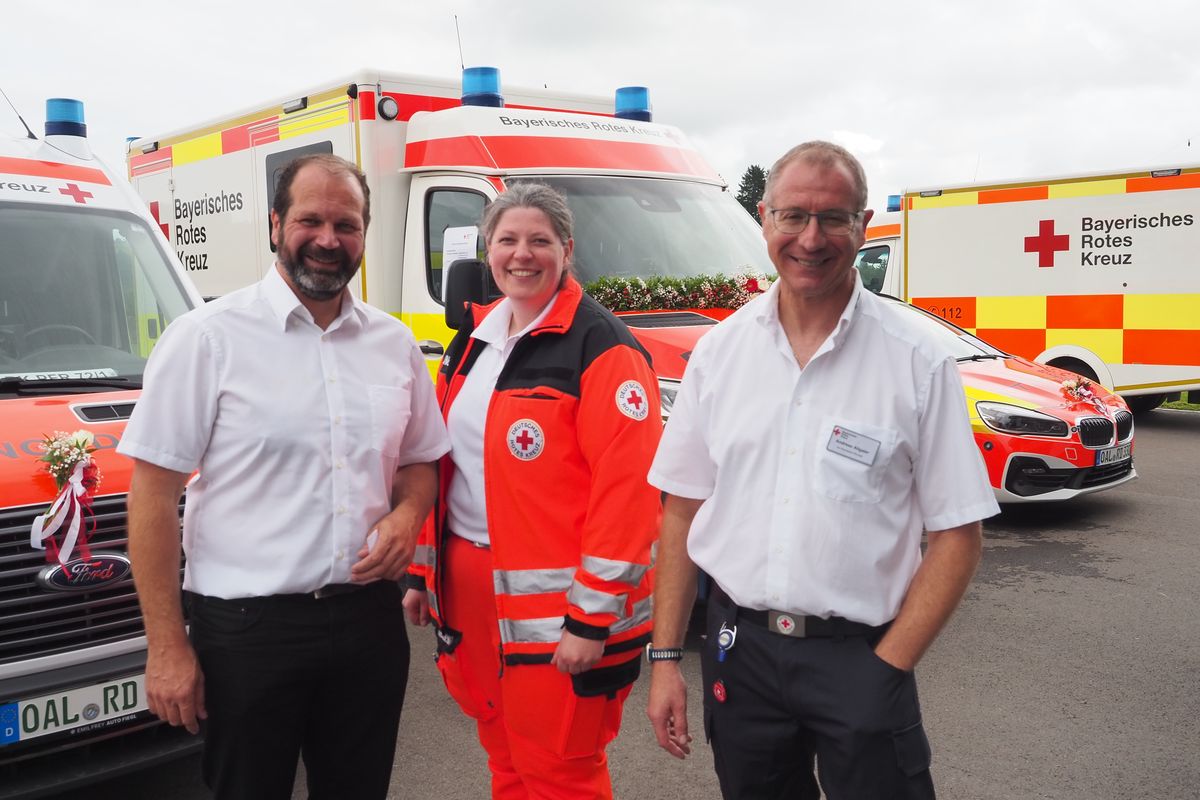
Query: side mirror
{"points": [[467, 280]]}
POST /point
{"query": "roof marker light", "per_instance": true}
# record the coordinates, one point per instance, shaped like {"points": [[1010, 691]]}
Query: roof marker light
{"points": [[481, 87], [633, 102], [292, 106], [1165, 173], [893, 203], [64, 117]]}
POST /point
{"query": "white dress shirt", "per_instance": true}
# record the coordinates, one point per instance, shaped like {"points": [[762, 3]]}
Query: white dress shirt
{"points": [[297, 434], [819, 481], [466, 503]]}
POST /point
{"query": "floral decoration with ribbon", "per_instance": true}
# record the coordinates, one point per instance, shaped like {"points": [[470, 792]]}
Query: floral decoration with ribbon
{"points": [[1080, 390], [63, 529]]}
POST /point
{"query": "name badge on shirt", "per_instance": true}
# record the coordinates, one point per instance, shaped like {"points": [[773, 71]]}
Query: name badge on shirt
{"points": [[853, 446]]}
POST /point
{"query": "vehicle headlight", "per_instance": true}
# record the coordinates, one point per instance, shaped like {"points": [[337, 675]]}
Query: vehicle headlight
{"points": [[1021, 421], [667, 390]]}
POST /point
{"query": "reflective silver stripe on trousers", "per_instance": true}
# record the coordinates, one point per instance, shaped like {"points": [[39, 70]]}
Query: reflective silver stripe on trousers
{"points": [[424, 556], [532, 581], [641, 613], [531, 631], [606, 569], [591, 601], [433, 604]]}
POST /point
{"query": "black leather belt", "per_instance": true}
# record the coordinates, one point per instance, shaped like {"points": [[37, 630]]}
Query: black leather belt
{"points": [[335, 589], [798, 626]]}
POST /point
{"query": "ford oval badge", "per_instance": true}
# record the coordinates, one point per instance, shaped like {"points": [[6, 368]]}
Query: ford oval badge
{"points": [[85, 574]]}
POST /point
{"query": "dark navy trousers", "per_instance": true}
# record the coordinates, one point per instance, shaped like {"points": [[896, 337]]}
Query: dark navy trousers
{"points": [[782, 703]]}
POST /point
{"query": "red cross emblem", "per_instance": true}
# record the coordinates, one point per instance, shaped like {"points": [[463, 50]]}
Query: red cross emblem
{"points": [[73, 191], [166, 229], [1046, 244], [525, 439], [785, 623], [631, 400]]}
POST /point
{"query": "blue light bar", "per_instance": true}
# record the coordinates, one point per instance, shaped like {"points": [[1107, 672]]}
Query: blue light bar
{"points": [[633, 102], [481, 87], [64, 117], [894, 203]]}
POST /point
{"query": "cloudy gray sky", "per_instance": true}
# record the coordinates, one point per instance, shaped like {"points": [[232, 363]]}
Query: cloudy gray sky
{"points": [[925, 93]]}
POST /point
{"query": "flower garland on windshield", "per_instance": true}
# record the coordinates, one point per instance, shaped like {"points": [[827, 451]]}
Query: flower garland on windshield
{"points": [[659, 293], [68, 459]]}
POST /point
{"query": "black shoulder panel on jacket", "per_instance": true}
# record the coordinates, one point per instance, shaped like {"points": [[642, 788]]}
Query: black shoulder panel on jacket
{"points": [[558, 360]]}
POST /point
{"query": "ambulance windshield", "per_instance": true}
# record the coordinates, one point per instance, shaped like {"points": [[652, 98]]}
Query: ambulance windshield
{"points": [[83, 294], [646, 227]]}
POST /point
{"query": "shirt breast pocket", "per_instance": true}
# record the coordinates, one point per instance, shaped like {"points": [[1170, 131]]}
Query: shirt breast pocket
{"points": [[852, 458], [390, 410]]}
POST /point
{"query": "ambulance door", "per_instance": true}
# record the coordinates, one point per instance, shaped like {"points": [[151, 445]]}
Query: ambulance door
{"points": [[158, 190], [442, 226], [878, 261]]}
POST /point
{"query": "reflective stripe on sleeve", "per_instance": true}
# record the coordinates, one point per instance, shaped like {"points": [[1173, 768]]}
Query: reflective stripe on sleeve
{"points": [[532, 581], [607, 569], [591, 601], [531, 631], [641, 614], [425, 556]]}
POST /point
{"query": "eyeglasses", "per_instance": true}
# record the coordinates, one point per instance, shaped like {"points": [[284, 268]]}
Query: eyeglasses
{"points": [[794, 221]]}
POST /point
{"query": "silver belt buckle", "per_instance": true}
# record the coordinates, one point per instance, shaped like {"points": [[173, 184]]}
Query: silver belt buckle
{"points": [[786, 624]]}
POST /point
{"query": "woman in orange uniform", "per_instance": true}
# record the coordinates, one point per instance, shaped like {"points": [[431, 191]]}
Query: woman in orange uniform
{"points": [[536, 570]]}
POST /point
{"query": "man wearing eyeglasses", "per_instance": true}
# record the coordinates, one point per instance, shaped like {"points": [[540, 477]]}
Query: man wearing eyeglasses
{"points": [[816, 436]]}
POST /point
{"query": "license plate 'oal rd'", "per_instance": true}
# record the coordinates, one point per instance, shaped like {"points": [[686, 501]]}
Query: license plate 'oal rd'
{"points": [[1113, 454], [97, 704]]}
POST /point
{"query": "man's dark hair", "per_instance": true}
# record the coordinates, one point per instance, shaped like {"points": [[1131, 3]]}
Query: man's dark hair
{"points": [[334, 164]]}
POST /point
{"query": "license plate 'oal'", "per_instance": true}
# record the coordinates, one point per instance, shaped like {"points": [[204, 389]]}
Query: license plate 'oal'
{"points": [[1113, 454], [99, 704]]}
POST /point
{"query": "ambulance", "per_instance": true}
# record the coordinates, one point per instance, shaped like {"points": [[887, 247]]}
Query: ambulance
{"points": [[435, 153], [87, 284], [1092, 273]]}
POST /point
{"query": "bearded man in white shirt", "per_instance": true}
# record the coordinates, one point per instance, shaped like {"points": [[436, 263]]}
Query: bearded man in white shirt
{"points": [[816, 435], [310, 421]]}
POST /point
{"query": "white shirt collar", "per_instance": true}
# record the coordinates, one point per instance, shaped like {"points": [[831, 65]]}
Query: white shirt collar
{"points": [[284, 302], [767, 312], [494, 328]]}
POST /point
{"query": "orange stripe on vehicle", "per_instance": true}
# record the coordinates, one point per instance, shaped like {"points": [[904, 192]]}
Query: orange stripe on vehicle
{"points": [[521, 152], [1190, 180], [1017, 195], [1162, 347], [51, 169], [150, 163], [1085, 311], [959, 310], [234, 139], [1026, 343], [880, 231]]}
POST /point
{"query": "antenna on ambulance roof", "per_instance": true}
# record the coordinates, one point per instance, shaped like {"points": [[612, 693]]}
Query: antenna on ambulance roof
{"points": [[461, 63], [18, 113]]}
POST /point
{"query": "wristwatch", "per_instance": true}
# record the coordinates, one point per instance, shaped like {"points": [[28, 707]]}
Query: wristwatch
{"points": [[663, 653]]}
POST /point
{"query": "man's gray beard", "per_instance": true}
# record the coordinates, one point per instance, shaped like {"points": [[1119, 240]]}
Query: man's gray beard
{"points": [[317, 285]]}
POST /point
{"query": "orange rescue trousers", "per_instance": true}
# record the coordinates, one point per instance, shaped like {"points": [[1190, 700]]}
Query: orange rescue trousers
{"points": [[543, 741]]}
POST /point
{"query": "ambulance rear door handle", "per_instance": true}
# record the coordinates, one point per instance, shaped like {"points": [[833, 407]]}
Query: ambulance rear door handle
{"points": [[431, 348]]}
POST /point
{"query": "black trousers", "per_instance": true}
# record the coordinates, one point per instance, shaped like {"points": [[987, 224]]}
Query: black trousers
{"points": [[291, 675], [784, 702]]}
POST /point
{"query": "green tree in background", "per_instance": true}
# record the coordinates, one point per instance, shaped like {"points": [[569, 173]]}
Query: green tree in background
{"points": [[750, 191]]}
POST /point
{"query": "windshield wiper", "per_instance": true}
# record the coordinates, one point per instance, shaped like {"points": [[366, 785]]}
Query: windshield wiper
{"points": [[980, 357], [14, 384]]}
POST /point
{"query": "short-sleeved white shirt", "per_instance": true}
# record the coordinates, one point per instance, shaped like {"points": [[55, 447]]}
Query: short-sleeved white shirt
{"points": [[296, 432], [819, 481]]}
